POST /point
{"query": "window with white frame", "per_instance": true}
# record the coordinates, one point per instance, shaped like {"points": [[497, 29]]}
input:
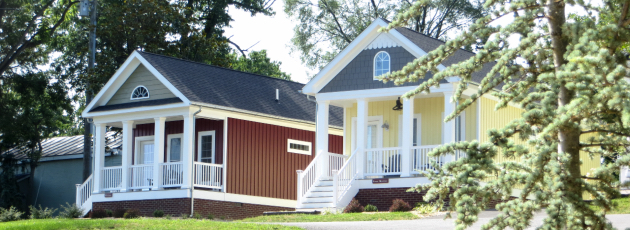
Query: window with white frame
{"points": [[140, 92], [174, 150], [381, 64], [301, 147], [416, 130], [205, 147]]}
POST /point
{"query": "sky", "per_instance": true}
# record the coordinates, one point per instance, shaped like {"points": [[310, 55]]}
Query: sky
{"points": [[273, 33]]}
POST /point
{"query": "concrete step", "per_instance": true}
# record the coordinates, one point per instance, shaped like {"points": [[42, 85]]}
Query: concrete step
{"points": [[316, 205], [318, 199], [322, 188]]}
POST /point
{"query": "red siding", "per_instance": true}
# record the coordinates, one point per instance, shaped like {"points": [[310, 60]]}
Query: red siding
{"points": [[259, 163]]}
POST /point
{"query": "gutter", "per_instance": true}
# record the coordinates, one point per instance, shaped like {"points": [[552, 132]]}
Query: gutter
{"points": [[192, 177]]}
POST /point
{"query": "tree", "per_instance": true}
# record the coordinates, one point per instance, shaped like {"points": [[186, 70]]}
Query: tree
{"points": [[325, 27], [571, 87], [258, 63]]}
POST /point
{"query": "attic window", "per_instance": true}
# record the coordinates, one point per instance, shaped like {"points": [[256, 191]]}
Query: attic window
{"points": [[140, 92], [301, 147], [381, 64]]}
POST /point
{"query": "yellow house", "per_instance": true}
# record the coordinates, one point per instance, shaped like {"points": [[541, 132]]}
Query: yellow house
{"points": [[387, 139]]}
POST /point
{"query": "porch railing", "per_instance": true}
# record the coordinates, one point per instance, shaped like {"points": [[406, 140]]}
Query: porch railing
{"points": [[141, 176], [342, 181], [307, 177], [420, 160], [383, 161], [208, 175], [84, 194], [112, 178], [172, 174], [335, 162]]}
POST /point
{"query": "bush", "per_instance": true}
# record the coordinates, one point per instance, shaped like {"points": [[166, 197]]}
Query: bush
{"points": [[158, 213], [425, 208], [131, 213], [399, 205], [210, 216], [99, 213], [184, 216], [119, 213], [197, 216], [354, 206], [371, 208], [39, 213], [168, 216], [109, 213], [71, 211], [10, 214]]}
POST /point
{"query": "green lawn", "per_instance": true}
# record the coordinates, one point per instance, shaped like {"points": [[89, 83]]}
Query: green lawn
{"points": [[622, 206], [142, 223], [333, 217]]}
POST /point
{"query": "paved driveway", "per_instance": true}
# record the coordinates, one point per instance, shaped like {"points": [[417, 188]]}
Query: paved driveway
{"points": [[436, 222]]}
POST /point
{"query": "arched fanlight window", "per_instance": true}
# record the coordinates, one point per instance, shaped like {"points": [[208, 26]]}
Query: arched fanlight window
{"points": [[381, 64], [140, 92]]}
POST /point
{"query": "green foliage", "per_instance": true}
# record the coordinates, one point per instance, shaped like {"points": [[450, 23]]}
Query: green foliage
{"points": [[197, 216], [425, 208], [158, 213], [569, 78], [353, 207], [326, 27], [139, 223], [10, 195], [99, 213], [10, 214], [168, 216], [39, 213], [131, 214], [380, 216], [258, 63], [119, 212], [210, 216], [184, 216], [109, 213], [71, 211], [370, 208], [399, 205]]}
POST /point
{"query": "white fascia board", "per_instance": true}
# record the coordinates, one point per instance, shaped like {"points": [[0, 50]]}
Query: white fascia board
{"points": [[135, 110], [247, 199], [119, 78], [140, 113], [384, 92]]}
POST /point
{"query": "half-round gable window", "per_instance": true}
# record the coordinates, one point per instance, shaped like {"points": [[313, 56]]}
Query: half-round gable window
{"points": [[381, 64], [140, 92]]}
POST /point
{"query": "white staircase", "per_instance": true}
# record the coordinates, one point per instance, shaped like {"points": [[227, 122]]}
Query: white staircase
{"points": [[320, 196], [84, 195]]}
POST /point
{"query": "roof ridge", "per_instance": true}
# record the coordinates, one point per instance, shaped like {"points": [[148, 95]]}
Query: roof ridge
{"points": [[413, 31], [199, 63]]}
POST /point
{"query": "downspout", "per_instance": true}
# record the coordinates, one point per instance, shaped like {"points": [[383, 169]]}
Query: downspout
{"points": [[192, 177]]}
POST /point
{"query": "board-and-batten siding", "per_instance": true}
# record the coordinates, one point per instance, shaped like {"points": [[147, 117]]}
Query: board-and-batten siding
{"points": [[177, 127], [259, 163], [141, 76]]}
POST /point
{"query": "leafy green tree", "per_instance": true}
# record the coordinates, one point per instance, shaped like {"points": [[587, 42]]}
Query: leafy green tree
{"points": [[325, 27], [258, 63], [572, 86]]}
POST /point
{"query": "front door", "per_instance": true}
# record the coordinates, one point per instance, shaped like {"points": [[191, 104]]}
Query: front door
{"points": [[143, 176]]}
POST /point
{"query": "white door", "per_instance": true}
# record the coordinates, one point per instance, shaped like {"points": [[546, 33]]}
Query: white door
{"points": [[144, 175]]}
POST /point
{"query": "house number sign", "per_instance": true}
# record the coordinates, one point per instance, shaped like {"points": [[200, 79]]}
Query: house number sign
{"points": [[109, 194], [380, 181]]}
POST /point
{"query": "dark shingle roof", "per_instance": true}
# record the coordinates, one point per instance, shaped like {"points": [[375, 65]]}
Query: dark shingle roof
{"points": [[64, 146], [137, 104], [235, 89]]}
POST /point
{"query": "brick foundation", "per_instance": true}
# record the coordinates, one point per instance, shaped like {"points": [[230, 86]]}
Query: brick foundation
{"points": [[176, 207]]}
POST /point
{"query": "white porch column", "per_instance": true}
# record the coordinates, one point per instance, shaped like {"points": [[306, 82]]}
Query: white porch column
{"points": [[188, 151], [362, 119], [127, 138], [158, 152], [449, 127], [321, 136], [407, 137], [99, 155]]}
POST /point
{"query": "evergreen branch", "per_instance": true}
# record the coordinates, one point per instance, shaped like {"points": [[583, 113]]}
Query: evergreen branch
{"points": [[605, 131]]}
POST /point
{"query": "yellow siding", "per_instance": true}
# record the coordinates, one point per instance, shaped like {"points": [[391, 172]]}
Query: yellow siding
{"points": [[471, 122]]}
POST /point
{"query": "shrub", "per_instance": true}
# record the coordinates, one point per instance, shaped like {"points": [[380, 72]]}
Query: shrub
{"points": [[424, 208], [39, 213], [158, 213], [354, 206], [99, 213], [210, 216], [119, 213], [131, 213], [371, 208], [184, 216], [399, 205], [197, 216], [71, 211], [109, 213], [10, 214], [168, 216]]}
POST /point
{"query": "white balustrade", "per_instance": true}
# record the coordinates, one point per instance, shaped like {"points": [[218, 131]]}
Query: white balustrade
{"points": [[112, 178], [383, 161], [308, 177], [342, 181], [420, 160], [335, 162], [140, 176], [208, 175], [172, 174], [84, 194]]}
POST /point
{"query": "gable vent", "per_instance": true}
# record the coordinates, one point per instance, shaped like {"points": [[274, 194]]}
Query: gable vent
{"points": [[382, 41]]}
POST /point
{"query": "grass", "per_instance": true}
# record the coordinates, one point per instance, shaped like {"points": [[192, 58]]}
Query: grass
{"points": [[333, 217], [141, 223], [622, 206]]}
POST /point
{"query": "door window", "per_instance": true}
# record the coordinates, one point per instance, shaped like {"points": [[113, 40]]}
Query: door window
{"points": [[146, 153], [174, 148], [206, 147]]}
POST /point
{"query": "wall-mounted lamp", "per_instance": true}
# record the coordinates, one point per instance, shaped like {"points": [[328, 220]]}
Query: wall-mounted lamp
{"points": [[385, 126], [398, 105]]}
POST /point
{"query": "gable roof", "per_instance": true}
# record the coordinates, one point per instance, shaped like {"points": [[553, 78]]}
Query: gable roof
{"points": [[205, 84], [65, 146]]}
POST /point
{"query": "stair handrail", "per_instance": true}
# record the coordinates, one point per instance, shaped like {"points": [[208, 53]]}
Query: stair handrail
{"points": [[308, 176], [342, 180], [84, 193]]}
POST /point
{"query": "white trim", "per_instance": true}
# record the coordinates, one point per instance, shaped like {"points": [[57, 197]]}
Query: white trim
{"points": [[138, 98], [462, 126], [137, 143], [389, 64], [143, 195], [384, 92], [371, 119], [225, 148], [345, 127], [119, 78], [417, 116], [306, 143], [214, 151], [383, 40], [246, 199], [136, 109], [168, 146]]}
